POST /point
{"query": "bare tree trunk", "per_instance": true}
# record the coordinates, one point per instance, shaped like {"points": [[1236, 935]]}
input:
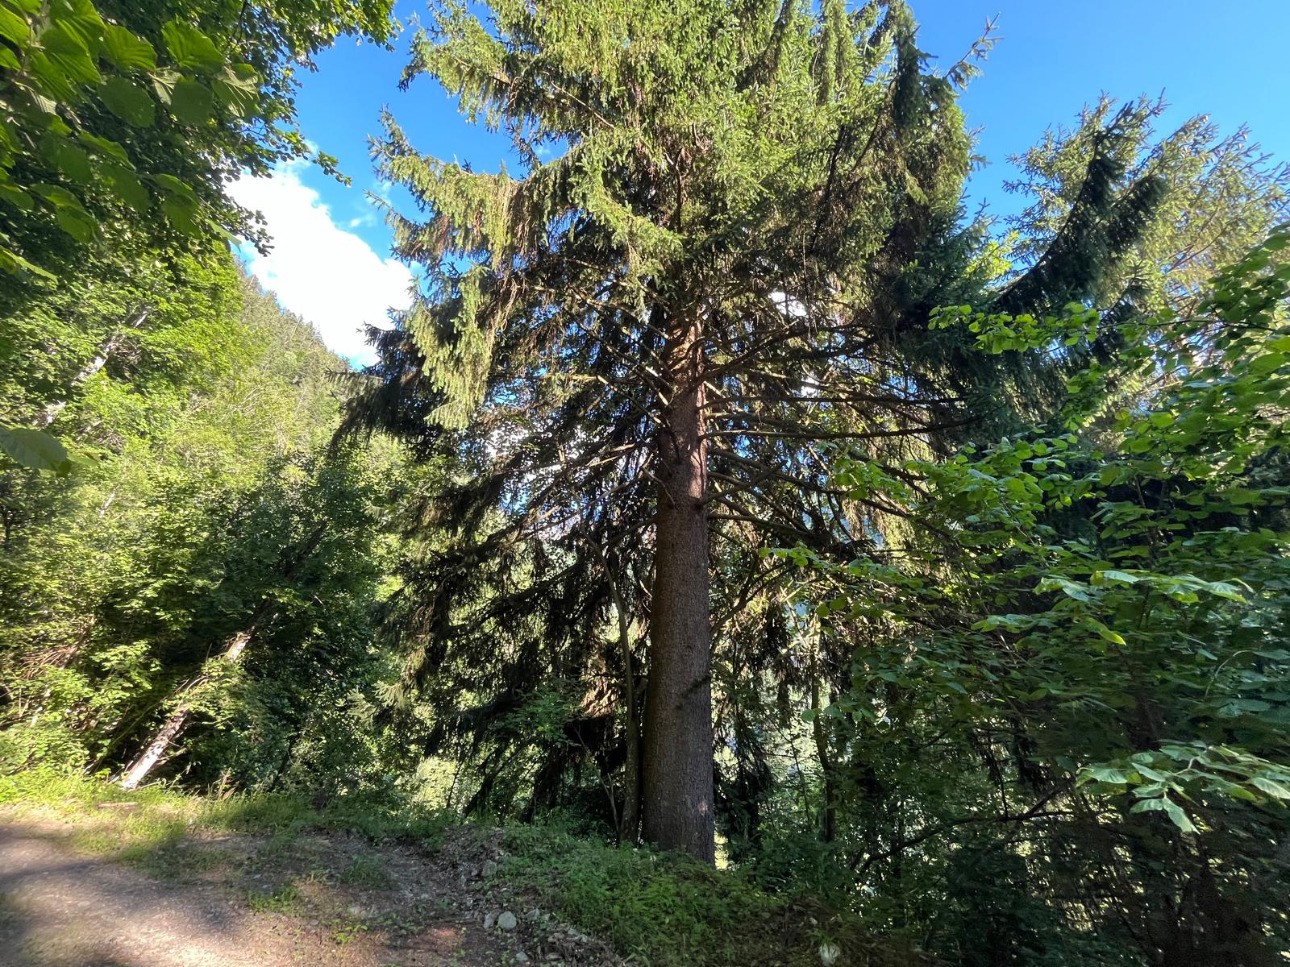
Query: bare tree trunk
{"points": [[829, 826], [677, 774], [88, 371], [629, 824], [155, 751]]}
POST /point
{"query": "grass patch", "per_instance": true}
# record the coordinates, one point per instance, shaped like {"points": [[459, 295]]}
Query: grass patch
{"points": [[669, 911], [162, 816], [368, 873], [348, 932], [148, 828], [285, 899], [281, 842]]}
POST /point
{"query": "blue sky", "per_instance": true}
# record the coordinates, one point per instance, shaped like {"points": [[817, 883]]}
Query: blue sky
{"points": [[1231, 62]]}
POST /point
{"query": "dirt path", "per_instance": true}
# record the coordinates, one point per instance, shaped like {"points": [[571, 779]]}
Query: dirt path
{"points": [[63, 909], [229, 902]]}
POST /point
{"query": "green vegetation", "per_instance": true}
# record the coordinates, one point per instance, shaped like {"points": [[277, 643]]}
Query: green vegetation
{"points": [[776, 564], [674, 911], [154, 819], [367, 872]]}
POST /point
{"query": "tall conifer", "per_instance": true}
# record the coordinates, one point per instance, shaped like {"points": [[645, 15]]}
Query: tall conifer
{"points": [[733, 219]]}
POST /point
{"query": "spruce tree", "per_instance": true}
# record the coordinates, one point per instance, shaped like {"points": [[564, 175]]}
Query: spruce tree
{"points": [[620, 337], [732, 222]]}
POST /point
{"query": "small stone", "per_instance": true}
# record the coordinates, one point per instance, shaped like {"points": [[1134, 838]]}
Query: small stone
{"points": [[506, 921], [535, 913], [488, 869], [355, 909], [521, 958], [489, 920]]}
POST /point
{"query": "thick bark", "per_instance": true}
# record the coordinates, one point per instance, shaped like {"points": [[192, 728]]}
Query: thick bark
{"points": [[677, 768], [155, 751]]}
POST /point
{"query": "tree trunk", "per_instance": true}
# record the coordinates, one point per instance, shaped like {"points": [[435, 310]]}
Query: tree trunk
{"points": [[88, 371], [629, 824], [155, 751], [677, 774], [829, 824]]}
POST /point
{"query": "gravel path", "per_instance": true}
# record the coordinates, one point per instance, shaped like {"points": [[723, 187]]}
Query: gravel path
{"points": [[59, 908], [313, 899]]}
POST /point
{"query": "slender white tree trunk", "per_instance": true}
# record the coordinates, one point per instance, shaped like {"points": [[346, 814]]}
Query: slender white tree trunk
{"points": [[155, 751], [50, 413]]}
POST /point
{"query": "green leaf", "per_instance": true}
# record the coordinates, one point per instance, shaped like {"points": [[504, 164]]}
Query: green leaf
{"points": [[127, 51], [238, 90], [1175, 813], [104, 146], [191, 48], [77, 223], [70, 159], [1268, 363], [1236, 707], [1070, 588], [56, 195], [33, 449], [79, 17], [126, 185], [181, 215], [172, 184], [129, 102], [1148, 806], [1104, 774], [1275, 789], [1121, 577], [163, 82], [14, 264], [16, 197], [14, 28], [55, 85], [68, 51], [191, 102], [1104, 632]]}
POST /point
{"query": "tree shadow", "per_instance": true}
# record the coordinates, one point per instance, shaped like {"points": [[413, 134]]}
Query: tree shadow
{"points": [[64, 910]]}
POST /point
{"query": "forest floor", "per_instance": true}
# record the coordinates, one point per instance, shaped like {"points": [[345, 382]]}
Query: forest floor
{"points": [[308, 898], [91, 876]]}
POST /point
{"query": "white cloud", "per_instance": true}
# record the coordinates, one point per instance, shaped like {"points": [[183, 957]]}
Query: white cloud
{"points": [[318, 270]]}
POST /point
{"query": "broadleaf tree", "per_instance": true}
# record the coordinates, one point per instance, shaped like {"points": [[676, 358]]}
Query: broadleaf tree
{"points": [[121, 123]]}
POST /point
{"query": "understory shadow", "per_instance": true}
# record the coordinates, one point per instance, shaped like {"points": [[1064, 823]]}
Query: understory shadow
{"points": [[62, 910]]}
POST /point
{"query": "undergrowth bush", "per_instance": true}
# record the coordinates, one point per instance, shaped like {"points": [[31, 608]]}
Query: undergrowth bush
{"points": [[668, 910]]}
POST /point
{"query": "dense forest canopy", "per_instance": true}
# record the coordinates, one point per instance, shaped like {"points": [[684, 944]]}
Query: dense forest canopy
{"points": [[727, 489]]}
